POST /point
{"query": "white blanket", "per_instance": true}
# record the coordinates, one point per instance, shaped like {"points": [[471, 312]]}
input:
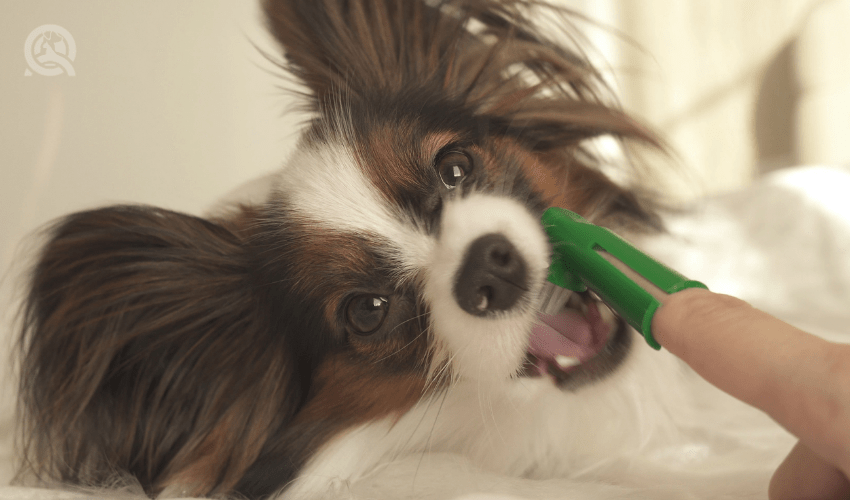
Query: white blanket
{"points": [[784, 245]]}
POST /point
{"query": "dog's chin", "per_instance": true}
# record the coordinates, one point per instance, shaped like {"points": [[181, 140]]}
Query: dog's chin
{"points": [[603, 351]]}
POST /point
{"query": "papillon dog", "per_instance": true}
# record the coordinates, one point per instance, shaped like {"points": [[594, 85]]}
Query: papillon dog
{"points": [[385, 300]]}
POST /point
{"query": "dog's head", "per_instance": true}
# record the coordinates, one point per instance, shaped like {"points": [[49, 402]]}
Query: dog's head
{"points": [[442, 130], [401, 250]]}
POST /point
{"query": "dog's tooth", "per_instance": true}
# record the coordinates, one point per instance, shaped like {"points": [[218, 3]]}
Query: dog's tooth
{"points": [[565, 362], [607, 314], [575, 301], [483, 303], [583, 308]]}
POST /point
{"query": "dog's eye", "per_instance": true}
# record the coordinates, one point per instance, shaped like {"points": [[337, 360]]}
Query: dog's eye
{"points": [[365, 313], [453, 167]]}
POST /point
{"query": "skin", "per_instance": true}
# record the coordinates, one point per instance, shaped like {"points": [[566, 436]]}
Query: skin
{"points": [[801, 381]]}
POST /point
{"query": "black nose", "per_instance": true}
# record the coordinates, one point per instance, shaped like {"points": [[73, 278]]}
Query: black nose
{"points": [[492, 277]]}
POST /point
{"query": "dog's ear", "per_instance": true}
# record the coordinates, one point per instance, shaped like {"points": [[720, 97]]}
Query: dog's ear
{"points": [[518, 79], [144, 351], [343, 48], [542, 91]]}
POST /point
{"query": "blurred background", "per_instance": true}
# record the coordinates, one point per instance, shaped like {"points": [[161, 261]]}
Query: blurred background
{"points": [[740, 89], [173, 104]]}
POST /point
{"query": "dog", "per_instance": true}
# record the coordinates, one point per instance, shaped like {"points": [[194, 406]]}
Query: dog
{"points": [[383, 301]]}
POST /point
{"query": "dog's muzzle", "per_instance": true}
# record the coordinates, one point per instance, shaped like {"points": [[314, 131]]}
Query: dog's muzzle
{"points": [[493, 276]]}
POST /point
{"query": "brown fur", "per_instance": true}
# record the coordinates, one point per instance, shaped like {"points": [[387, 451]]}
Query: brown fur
{"points": [[124, 288]]}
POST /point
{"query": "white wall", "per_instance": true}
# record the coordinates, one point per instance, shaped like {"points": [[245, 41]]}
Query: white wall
{"points": [[169, 105], [738, 88]]}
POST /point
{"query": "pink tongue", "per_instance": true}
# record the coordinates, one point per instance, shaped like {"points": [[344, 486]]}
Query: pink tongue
{"points": [[570, 334]]}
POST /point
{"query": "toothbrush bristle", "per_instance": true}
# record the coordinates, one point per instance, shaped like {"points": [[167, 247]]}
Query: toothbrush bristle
{"points": [[553, 298]]}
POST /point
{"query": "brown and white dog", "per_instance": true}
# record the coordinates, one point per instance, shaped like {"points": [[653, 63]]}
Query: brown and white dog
{"points": [[383, 301]]}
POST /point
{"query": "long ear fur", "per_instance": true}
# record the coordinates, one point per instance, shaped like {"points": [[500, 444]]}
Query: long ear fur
{"points": [[144, 352], [486, 54]]}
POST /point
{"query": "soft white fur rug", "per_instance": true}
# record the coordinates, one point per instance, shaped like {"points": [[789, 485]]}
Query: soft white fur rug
{"points": [[781, 244]]}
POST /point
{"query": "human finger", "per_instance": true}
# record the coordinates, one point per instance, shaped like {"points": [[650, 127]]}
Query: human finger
{"points": [[804, 475], [801, 381]]}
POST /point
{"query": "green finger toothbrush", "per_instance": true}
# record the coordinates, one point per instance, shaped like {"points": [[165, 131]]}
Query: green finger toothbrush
{"points": [[589, 257]]}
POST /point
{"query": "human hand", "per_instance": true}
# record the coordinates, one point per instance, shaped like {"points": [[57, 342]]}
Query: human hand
{"points": [[801, 381]]}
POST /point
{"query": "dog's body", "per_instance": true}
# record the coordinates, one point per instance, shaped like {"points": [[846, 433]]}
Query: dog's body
{"points": [[381, 303]]}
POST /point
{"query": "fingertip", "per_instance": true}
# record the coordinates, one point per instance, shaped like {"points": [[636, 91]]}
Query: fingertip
{"points": [[803, 475], [690, 312]]}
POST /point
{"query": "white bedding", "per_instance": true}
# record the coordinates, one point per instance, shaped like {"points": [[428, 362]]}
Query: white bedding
{"points": [[783, 244]]}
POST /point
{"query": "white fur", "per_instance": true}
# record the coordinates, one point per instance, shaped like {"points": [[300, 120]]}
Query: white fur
{"points": [[483, 348], [526, 428], [329, 190], [343, 460]]}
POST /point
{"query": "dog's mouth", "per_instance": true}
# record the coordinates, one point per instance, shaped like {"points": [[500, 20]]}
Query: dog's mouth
{"points": [[582, 342]]}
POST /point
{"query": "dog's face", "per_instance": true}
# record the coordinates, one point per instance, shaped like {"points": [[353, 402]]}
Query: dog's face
{"points": [[413, 239], [424, 236]]}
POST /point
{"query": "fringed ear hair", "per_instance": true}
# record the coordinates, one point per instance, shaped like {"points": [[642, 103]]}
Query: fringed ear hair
{"points": [[340, 48], [144, 351], [489, 57], [551, 99]]}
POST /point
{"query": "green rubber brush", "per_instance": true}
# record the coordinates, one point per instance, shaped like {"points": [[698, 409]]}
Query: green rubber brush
{"points": [[587, 257]]}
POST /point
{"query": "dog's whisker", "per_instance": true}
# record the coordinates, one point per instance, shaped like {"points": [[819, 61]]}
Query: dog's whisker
{"points": [[439, 377], [427, 447], [408, 344], [431, 398]]}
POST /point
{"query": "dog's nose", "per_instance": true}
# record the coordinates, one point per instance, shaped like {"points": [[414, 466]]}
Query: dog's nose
{"points": [[492, 277]]}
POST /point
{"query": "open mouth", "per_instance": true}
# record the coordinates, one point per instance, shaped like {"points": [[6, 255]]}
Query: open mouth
{"points": [[581, 342]]}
